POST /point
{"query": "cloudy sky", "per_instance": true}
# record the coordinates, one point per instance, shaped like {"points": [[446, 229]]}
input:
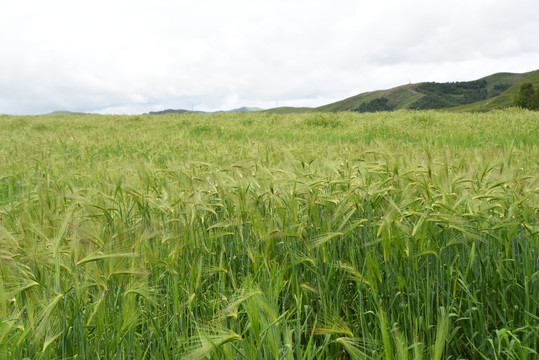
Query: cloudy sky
{"points": [[120, 56]]}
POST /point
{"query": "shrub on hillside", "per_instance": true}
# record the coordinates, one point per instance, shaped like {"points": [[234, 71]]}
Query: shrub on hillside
{"points": [[528, 97]]}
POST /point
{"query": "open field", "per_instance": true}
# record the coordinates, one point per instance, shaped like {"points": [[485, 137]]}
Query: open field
{"points": [[399, 235]]}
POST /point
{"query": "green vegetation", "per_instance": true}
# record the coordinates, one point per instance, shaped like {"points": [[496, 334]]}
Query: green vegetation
{"points": [[499, 88], [445, 95], [397, 235], [351, 103], [378, 104], [492, 92], [502, 101], [528, 97]]}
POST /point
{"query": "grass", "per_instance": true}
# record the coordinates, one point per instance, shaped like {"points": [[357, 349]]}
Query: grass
{"points": [[401, 235]]}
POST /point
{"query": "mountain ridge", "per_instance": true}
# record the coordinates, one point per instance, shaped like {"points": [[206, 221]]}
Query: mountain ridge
{"points": [[495, 91]]}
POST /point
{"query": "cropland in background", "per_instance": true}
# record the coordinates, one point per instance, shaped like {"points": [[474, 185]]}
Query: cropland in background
{"points": [[408, 234]]}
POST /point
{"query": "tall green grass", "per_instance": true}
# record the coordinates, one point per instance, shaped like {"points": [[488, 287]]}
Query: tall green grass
{"points": [[407, 235]]}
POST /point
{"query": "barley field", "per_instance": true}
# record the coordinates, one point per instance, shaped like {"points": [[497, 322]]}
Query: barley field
{"points": [[403, 235]]}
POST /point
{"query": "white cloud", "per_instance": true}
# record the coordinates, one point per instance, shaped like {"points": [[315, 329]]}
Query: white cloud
{"points": [[139, 56]]}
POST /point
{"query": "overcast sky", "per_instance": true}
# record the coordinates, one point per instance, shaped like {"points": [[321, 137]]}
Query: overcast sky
{"points": [[112, 56]]}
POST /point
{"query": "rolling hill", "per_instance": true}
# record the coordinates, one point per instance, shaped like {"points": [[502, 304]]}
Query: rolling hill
{"points": [[485, 94], [503, 100], [65, 113]]}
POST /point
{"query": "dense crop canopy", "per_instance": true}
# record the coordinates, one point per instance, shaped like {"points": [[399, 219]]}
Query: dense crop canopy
{"points": [[396, 235]]}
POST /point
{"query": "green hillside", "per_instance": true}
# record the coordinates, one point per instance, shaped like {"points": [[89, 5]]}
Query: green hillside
{"points": [[503, 100], [490, 92], [351, 102], [397, 98]]}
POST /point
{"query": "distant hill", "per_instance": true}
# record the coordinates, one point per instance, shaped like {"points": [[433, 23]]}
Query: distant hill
{"points": [[488, 93], [65, 113], [182, 111], [174, 111]]}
